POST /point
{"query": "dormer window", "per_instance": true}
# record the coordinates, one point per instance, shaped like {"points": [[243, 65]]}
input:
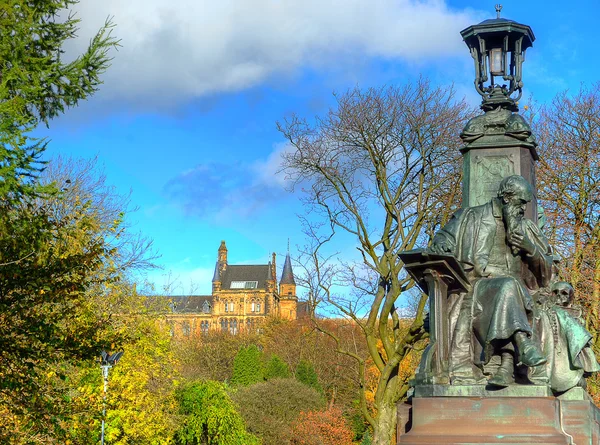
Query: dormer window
{"points": [[206, 307], [244, 284]]}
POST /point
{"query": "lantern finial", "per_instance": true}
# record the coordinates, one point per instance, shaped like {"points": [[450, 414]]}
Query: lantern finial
{"points": [[498, 9]]}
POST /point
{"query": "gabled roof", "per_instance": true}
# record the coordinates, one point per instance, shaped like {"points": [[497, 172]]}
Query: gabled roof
{"points": [[191, 303], [260, 273]]}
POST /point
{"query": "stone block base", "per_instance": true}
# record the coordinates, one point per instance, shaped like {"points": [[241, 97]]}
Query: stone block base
{"points": [[580, 417], [485, 420]]}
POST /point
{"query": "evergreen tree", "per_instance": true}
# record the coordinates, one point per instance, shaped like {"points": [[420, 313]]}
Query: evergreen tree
{"points": [[276, 368], [210, 417], [305, 373], [247, 367], [36, 85]]}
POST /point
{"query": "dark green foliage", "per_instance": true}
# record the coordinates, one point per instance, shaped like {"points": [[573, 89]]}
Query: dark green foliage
{"points": [[36, 84], [366, 440], [210, 417], [247, 367], [276, 368], [357, 422], [305, 373], [269, 408]]}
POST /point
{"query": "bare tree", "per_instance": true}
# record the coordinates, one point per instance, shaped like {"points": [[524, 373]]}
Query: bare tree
{"points": [[381, 170], [569, 189], [82, 181]]}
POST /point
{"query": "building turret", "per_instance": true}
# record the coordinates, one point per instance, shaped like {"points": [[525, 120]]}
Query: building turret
{"points": [[287, 291], [220, 267]]}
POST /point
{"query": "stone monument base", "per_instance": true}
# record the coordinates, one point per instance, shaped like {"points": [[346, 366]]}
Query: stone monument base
{"points": [[511, 417], [485, 420]]}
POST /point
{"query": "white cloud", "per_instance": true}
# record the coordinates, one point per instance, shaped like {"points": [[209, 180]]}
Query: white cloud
{"points": [[174, 51], [230, 190], [267, 172]]}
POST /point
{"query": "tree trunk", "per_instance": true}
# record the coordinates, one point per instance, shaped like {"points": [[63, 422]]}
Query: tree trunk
{"points": [[384, 432]]}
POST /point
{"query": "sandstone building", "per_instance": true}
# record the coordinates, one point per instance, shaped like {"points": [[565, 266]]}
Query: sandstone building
{"points": [[242, 296]]}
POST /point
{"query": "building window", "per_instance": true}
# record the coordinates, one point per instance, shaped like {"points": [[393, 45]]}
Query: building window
{"points": [[204, 327], [257, 307], [226, 307], [244, 285], [223, 325], [233, 326], [206, 307], [185, 328]]}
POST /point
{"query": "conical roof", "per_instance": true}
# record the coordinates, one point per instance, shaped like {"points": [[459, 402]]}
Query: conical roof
{"points": [[287, 276]]}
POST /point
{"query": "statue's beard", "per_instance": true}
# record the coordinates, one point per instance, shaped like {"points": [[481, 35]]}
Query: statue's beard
{"points": [[512, 216]]}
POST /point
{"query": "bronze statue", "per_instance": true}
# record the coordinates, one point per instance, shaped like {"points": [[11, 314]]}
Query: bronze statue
{"points": [[506, 258], [565, 341]]}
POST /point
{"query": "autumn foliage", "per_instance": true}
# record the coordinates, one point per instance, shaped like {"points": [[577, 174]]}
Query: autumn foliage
{"points": [[321, 428]]}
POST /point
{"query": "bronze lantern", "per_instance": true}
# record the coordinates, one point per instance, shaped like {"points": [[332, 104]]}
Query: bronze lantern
{"points": [[498, 48]]}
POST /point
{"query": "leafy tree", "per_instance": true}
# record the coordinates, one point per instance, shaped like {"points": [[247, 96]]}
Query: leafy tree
{"points": [[36, 84], [380, 171], [66, 299], [321, 428], [269, 408], [276, 368], [247, 367], [305, 373], [210, 417], [141, 405]]}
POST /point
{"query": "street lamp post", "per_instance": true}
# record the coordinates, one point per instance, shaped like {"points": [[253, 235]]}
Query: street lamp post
{"points": [[498, 143], [107, 361]]}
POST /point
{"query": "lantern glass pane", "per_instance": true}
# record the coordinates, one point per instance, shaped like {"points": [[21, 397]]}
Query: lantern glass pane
{"points": [[496, 62]]}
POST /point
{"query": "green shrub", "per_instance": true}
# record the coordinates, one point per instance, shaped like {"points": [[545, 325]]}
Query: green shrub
{"points": [[270, 408], [247, 367], [276, 368], [305, 373], [210, 417]]}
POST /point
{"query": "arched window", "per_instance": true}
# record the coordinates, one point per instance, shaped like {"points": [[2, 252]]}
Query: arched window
{"points": [[204, 327], [223, 325], [185, 328], [233, 326]]}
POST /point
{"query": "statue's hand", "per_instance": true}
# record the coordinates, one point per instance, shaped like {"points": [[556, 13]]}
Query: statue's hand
{"points": [[440, 247], [521, 242]]}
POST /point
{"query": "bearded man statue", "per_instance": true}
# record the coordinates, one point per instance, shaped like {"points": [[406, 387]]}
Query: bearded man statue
{"points": [[506, 258]]}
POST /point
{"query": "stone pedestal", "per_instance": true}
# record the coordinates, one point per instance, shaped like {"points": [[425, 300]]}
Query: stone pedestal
{"points": [[485, 420], [519, 414], [580, 417]]}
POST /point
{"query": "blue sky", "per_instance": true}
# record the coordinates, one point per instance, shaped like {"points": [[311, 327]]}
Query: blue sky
{"points": [[186, 119]]}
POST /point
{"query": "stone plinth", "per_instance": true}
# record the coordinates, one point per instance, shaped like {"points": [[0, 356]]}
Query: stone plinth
{"points": [[485, 420], [580, 417]]}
